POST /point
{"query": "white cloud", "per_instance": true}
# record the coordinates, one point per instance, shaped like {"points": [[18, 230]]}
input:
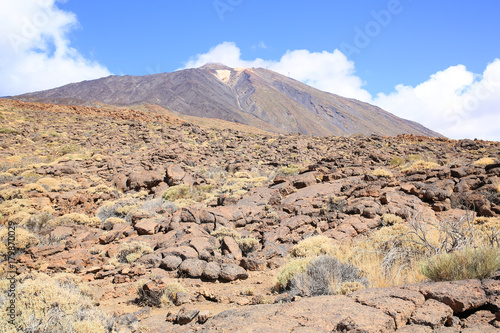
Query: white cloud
{"points": [[454, 102], [329, 71], [35, 52]]}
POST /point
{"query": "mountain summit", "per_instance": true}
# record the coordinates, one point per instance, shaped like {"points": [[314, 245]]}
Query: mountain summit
{"points": [[252, 96]]}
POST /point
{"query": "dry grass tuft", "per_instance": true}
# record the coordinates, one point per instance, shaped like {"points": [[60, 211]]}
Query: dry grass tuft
{"points": [[313, 247], [23, 240], [463, 264], [78, 218], [382, 173], [246, 244], [391, 219], [484, 161], [132, 251], [45, 304]]}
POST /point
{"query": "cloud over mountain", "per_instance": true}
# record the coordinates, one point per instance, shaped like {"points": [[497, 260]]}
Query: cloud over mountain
{"points": [[35, 50]]}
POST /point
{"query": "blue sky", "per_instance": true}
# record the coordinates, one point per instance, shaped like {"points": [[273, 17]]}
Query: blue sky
{"points": [[430, 61]]}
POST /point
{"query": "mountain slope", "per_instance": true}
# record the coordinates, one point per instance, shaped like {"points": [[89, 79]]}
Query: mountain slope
{"points": [[255, 97]]}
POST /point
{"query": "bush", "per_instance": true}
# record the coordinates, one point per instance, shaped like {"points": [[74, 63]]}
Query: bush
{"points": [[130, 252], [325, 275], [350, 287], [391, 219], [225, 231], [382, 173], [397, 160], [39, 221], [166, 297], [289, 271], [45, 304], [246, 244], [78, 218], [290, 170], [467, 263], [23, 241], [333, 203], [422, 165], [69, 149], [313, 246], [485, 161]]}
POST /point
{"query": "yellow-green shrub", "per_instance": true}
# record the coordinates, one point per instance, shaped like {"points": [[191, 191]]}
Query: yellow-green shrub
{"points": [[45, 305], [313, 246], [130, 252], [484, 161], [382, 173], [78, 218], [391, 219], [467, 263], [290, 270], [23, 240]]}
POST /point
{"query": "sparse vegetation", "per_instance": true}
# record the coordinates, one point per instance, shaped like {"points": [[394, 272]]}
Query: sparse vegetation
{"points": [[47, 304], [462, 264], [484, 161], [165, 297], [382, 173], [23, 240], [78, 218], [391, 219], [313, 247], [246, 244], [325, 275], [132, 251]]}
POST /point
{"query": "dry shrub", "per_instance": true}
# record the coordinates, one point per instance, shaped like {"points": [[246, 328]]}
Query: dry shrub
{"points": [[170, 293], [466, 263], [382, 173], [132, 251], [484, 161], [391, 219], [187, 193], [23, 241], [78, 218], [34, 187], [11, 207], [55, 185], [44, 304], [6, 177], [349, 287], [313, 246], [488, 230], [10, 194], [166, 297], [422, 165], [325, 275], [289, 271], [246, 244], [38, 221]]}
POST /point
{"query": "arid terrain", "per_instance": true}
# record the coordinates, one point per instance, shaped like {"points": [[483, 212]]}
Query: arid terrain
{"points": [[129, 219]]}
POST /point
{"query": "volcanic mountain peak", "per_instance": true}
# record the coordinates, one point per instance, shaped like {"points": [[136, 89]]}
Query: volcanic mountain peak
{"points": [[252, 96]]}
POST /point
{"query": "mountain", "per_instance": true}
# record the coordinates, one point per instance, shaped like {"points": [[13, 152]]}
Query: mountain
{"points": [[252, 96]]}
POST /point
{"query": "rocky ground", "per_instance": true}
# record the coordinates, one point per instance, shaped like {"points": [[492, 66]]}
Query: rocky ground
{"points": [[128, 199]]}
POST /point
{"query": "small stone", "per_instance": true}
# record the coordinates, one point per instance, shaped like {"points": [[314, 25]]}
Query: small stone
{"points": [[186, 316], [203, 316], [182, 298]]}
